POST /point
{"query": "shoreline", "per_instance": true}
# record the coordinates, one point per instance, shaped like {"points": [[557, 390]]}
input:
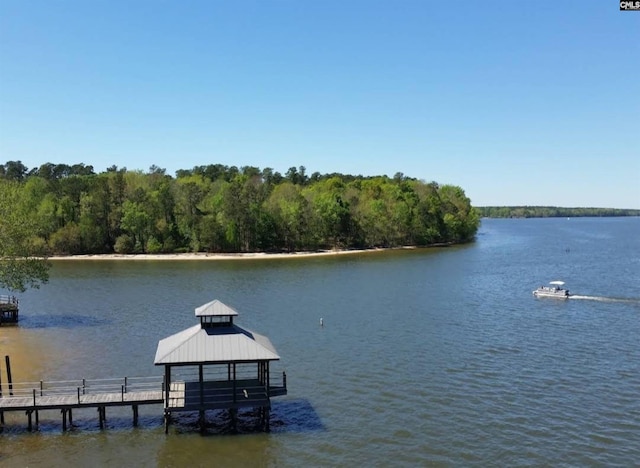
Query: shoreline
{"points": [[202, 256]]}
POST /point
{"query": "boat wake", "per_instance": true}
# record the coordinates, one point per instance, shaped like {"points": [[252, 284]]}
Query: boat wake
{"points": [[605, 299]]}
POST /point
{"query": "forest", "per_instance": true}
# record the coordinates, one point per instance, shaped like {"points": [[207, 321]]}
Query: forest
{"points": [[550, 212], [71, 209]]}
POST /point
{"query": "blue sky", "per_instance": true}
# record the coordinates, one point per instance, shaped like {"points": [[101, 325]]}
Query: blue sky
{"points": [[517, 102]]}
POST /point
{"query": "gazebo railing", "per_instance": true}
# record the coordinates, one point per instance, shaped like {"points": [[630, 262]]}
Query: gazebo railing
{"points": [[193, 394]]}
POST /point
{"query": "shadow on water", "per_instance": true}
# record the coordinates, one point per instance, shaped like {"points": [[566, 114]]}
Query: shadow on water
{"points": [[290, 416], [83, 423], [62, 321], [295, 416]]}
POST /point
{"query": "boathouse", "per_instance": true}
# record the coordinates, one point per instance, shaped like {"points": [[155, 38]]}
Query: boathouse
{"points": [[8, 309], [218, 365]]}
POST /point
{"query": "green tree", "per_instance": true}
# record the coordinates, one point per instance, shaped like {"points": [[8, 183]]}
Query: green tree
{"points": [[460, 219], [289, 211], [243, 212], [331, 219], [21, 266], [189, 194], [136, 221]]}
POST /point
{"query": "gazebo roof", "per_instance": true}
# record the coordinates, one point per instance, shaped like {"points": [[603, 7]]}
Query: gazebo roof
{"points": [[203, 344], [215, 308]]}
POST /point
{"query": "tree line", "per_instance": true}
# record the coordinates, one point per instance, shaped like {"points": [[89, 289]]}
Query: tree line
{"points": [[551, 212], [71, 209]]}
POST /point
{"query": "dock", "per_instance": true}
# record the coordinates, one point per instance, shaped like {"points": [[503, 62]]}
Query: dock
{"points": [[65, 396], [213, 365], [8, 309]]}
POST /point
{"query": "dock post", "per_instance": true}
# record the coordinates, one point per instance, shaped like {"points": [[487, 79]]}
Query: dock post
{"points": [[0, 381], [135, 415], [102, 416], [70, 417], [167, 421], [34, 405], [8, 363], [233, 412], [64, 419], [267, 419], [201, 421], [29, 422]]}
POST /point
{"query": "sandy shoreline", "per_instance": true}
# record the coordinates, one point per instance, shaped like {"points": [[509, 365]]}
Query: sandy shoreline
{"points": [[218, 256]]}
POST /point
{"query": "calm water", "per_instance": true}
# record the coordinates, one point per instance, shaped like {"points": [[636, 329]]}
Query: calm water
{"points": [[434, 357]]}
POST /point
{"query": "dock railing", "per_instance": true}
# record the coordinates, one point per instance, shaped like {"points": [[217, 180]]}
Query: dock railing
{"points": [[81, 387], [5, 299]]}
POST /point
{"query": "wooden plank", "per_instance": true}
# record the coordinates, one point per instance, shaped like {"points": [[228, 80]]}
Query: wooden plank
{"points": [[86, 401]]}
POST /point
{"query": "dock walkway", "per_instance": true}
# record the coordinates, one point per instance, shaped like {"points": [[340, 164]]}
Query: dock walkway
{"points": [[32, 397]]}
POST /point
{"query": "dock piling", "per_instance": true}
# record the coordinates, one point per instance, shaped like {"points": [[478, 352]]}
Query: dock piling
{"points": [[102, 416], [8, 364]]}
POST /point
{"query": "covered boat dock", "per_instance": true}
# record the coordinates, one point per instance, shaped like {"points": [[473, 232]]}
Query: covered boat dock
{"points": [[8, 309], [218, 365]]}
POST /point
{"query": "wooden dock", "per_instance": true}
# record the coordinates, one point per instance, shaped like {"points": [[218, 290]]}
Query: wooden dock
{"points": [[65, 396], [214, 365], [8, 309], [32, 397]]}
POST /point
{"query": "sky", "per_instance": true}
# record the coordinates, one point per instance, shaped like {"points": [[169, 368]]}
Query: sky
{"points": [[518, 103]]}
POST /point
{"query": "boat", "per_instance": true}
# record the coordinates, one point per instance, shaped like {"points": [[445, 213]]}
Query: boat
{"points": [[554, 290]]}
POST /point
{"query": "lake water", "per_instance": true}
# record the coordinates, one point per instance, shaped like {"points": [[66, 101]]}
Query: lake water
{"points": [[432, 357]]}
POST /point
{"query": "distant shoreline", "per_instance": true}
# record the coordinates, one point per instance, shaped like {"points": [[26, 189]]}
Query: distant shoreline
{"points": [[202, 256]]}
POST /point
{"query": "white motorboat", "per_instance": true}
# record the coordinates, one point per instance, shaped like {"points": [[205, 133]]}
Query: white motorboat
{"points": [[554, 290]]}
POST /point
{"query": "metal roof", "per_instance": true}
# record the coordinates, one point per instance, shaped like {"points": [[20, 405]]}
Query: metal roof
{"points": [[214, 344], [215, 308]]}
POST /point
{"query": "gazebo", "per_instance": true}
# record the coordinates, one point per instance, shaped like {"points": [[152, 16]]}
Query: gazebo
{"points": [[217, 365]]}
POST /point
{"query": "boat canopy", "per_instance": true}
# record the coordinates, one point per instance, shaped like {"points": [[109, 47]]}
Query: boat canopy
{"points": [[559, 283]]}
